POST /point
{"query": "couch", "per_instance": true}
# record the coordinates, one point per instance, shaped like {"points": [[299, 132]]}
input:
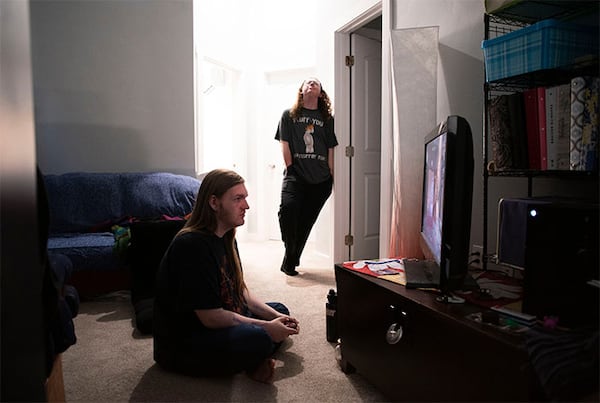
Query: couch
{"points": [[90, 217]]}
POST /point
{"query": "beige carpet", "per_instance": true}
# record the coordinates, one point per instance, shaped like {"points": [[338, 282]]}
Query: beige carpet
{"points": [[112, 362]]}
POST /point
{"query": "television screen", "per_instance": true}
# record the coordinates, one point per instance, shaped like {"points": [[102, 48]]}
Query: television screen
{"points": [[433, 195], [446, 208]]}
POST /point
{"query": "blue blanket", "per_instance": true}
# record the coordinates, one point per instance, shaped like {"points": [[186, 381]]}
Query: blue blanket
{"points": [[88, 202], [84, 206]]}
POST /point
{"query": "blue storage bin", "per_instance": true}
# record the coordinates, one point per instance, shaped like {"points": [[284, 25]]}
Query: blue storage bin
{"points": [[545, 45]]}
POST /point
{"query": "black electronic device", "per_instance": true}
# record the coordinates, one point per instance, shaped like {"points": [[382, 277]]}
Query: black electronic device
{"points": [[561, 260], [513, 213], [446, 206]]}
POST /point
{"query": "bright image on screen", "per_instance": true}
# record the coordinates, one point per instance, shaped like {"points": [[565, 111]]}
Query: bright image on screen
{"points": [[435, 155]]}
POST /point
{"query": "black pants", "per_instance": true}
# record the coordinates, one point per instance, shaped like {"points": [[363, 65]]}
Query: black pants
{"points": [[300, 206]]}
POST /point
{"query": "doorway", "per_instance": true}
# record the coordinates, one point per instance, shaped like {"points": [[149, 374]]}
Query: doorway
{"points": [[358, 125], [242, 88], [365, 140]]}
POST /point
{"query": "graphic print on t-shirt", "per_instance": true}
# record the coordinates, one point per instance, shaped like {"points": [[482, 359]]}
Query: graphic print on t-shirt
{"points": [[308, 138], [228, 295]]}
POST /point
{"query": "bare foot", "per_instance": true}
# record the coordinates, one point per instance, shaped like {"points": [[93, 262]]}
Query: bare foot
{"points": [[264, 372]]}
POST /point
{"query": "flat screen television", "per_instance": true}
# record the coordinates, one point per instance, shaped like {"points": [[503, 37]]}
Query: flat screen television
{"points": [[447, 195]]}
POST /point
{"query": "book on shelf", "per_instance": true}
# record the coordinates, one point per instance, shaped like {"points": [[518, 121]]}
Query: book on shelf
{"points": [[516, 110], [546, 128], [541, 101], [558, 105], [563, 126], [532, 128], [551, 123], [583, 144], [500, 135], [508, 135]]}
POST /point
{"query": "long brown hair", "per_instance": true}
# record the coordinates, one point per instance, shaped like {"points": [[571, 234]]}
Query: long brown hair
{"points": [[204, 219], [324, 104]]}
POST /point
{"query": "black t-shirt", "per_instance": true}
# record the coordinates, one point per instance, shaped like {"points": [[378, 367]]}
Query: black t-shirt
{"points": [[310, 138], [193, 274]]}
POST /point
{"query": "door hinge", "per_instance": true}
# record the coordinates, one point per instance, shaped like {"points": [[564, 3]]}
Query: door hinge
{"points": [[349, 61], [348, 240], [349, 151]]}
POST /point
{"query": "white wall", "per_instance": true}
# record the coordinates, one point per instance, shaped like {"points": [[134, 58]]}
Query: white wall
{"points": [[335, 14], [113, 85], [460, 70]]}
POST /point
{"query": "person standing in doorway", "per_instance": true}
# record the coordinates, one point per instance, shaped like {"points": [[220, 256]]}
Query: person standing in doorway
{"points": [[306, 134]]}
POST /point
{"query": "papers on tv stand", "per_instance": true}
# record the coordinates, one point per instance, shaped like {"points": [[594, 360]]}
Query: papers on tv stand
{"points": [[390, 269]]}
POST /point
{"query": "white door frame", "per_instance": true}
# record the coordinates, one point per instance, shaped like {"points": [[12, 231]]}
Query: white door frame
{"points": [[342, 129]]}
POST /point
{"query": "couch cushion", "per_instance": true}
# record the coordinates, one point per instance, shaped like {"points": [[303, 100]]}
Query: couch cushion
{"points": [[83, 202], [87, 251]]}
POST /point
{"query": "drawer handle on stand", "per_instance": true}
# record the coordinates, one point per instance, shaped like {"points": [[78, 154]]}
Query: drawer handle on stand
{"points": [[396, 329], [394, 334]]}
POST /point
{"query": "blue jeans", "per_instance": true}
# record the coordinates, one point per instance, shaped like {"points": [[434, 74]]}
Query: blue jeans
{"points": [[226, 351]]}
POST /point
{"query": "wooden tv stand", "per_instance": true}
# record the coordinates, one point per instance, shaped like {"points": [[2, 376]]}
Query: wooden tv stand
{"points": [[441, 356]]}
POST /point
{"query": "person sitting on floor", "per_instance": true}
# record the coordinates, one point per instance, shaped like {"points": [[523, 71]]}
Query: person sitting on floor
{"points": [[206, 321]]}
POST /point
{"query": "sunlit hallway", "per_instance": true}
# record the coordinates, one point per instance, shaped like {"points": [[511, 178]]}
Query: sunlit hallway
{"points": [[244, 81]]}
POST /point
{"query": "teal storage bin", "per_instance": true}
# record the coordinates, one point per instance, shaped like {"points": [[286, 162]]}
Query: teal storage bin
{"points": [[547, 44]]}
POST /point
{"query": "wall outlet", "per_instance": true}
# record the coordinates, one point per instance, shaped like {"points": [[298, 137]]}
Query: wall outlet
{"points": [[476, 256]]}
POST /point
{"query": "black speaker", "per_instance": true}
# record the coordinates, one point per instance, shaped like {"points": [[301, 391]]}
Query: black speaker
{"points": [[557, 242]]}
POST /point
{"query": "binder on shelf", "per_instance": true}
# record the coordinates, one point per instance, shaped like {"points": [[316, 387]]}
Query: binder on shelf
{"points": [[532, 128], [508, 134], [500, 134], [589, 140], [583, 147], [516, 109], [563, 126], [558, 105], [541, 100], [551, 123]]}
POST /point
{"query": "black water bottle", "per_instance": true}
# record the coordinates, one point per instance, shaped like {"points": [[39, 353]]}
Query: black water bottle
{"points": [[331, 321]]}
